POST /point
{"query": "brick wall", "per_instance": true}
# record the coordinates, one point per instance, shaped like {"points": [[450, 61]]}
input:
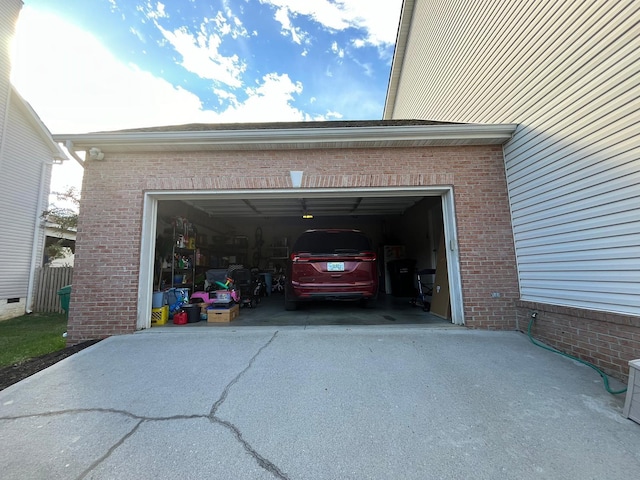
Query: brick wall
{"points": [[104, 294], [606, 340]]}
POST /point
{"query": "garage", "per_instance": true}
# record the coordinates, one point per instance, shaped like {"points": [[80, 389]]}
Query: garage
{"points": [[199, 235], [436, 191]]}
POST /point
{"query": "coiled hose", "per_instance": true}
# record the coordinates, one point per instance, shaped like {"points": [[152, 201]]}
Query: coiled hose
{"points": [[605, 379]]}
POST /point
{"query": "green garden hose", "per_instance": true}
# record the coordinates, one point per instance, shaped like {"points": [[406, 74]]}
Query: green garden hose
{"points": [[605, 379]]}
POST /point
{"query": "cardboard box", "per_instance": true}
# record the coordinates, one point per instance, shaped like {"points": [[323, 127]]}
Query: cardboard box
{"points": [[223, 315]]}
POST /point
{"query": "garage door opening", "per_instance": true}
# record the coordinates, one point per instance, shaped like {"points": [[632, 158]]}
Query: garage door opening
{"points": [[197, 240]]}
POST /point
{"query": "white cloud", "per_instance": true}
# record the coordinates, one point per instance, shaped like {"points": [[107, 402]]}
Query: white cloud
{"points": [[378, 18], [200, 51], [138, 34], [76, 85], [151, 12], [330, 115], [270, 101], [200, 56], [297, 35], [337, 50], [225, 95]]}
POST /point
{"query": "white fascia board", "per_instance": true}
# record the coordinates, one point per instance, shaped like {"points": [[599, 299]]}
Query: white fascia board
{"points": [[406, 16], [305, 137]]}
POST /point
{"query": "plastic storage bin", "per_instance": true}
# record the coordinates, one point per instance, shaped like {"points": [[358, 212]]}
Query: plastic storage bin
{"points": [[160, 316], [158, 300]]}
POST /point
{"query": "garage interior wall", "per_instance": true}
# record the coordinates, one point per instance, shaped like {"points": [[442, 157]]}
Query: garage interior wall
{"points": [[109, 239]]}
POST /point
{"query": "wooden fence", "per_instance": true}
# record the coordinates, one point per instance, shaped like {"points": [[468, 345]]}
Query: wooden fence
{"points": [[48, 281]]}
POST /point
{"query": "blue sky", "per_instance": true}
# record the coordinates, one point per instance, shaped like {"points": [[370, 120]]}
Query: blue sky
{"points": [[95, 65]]}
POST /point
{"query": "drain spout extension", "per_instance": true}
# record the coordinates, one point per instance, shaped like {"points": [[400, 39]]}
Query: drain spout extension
{"points": [[605, 379]]}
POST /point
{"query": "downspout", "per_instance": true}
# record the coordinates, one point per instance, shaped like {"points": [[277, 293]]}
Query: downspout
{"points": [[36, 238], [69, 146]]}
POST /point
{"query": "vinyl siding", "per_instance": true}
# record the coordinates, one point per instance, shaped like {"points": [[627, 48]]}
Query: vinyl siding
{"points": [[9, 10], [24, 153], [569, 73]]}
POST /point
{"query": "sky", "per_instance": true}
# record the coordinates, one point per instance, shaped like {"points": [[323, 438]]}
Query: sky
{"points": [[101, 65]]}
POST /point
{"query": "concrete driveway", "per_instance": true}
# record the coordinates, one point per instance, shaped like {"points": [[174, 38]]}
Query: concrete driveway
{"points": [[330, 402]]}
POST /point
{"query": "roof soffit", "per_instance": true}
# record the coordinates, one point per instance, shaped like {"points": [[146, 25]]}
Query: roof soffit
{"points": [[294, 138]]}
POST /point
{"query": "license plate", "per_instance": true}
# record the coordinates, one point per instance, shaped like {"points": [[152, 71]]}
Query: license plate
{"points": [[335, 266]]}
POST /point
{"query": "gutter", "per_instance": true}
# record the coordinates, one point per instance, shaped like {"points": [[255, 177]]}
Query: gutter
{"points": [[302, 138]]}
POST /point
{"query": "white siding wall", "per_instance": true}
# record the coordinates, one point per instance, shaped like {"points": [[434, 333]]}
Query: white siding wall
{"points": [[9, 10], [20, 191], [569, 73]]}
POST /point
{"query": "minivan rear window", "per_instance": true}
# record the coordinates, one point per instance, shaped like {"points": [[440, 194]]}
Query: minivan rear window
{"points": [[332, 242]]}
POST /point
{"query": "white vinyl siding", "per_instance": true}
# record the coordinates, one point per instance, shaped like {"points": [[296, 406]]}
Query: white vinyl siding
{"points": [[24, 153], [568, 73], [9, 10]]}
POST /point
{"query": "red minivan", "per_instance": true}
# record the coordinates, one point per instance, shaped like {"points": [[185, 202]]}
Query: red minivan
{"points": [[331, 264]]}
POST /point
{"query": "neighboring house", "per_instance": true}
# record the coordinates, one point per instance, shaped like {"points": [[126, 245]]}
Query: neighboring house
{"points": [[27, 153], [66, 238], [568, 73]]}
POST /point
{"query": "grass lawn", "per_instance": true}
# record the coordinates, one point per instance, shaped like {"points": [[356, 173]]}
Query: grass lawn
{"points": [[30, 336]]}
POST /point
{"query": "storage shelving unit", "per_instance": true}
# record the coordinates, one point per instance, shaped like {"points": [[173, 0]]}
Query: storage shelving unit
{"points": [[279, 253], [184, 263]]}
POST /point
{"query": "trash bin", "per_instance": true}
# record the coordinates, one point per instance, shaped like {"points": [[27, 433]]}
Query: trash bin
{"points": [[193, 312], [65, 294], [402, 277]]}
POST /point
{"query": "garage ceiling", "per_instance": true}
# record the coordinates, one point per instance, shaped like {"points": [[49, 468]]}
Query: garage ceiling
{"points": [[296, 207]]}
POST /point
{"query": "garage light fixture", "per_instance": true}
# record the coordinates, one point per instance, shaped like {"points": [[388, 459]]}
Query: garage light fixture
{"points": [[307, 216], [96, 154]]}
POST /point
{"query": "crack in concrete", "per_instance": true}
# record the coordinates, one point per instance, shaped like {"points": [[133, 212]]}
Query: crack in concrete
{"points": [[104, 410], [225, 392], [113, 448], [263, 462]]}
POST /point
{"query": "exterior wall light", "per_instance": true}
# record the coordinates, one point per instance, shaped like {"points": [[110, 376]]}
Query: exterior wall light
{"points": [[96, 154]]}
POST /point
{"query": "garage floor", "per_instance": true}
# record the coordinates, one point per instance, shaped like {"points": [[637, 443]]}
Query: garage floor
{"points": [[270, 311]]}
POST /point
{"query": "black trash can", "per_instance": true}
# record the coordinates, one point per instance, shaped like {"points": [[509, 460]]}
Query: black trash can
{"points": [[193, 312], [402, 274]]}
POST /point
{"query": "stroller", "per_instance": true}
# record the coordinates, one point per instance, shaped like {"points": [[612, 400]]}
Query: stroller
{"points": [[425, 289]]}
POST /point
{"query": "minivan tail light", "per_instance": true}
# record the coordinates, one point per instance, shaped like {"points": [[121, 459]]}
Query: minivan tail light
{"points": [[368, 257]]}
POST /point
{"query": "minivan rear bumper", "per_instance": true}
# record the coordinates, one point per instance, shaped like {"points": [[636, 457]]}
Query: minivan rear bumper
{"points": [[359, 292]]}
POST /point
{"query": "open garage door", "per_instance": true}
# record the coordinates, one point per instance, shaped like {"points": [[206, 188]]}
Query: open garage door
{"points": [[255, 229]]}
